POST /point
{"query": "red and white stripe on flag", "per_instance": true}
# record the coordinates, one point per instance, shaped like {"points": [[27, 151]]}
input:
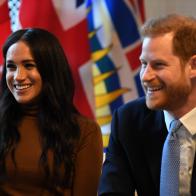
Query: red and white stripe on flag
{"points": [[4, 26]]}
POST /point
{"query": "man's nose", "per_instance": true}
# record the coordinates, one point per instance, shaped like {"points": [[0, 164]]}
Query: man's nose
{"points": [[147, 73]]}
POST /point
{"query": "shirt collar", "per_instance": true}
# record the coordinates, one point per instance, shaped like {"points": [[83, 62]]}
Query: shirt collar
{"points": [[188, 120], [168, 118]]}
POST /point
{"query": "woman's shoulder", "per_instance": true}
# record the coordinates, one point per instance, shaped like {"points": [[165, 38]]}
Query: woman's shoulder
{"points": [[87, 125], [89, 130]]}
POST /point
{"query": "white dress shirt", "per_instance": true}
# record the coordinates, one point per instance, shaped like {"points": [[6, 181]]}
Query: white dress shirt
{"points": [[187, 140]]}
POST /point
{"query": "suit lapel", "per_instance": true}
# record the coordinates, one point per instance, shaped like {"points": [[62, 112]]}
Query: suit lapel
{"points": [[153, 139]]}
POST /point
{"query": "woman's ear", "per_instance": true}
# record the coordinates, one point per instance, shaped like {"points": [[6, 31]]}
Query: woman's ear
{"points": [[192, 64]]}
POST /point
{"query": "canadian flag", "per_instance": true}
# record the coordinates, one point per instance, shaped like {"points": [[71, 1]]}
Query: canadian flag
{"points": [[67, 20], [4, 26]]}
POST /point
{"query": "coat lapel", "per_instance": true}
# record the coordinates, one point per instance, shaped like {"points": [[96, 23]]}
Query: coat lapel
{"points": [[153, 139]]}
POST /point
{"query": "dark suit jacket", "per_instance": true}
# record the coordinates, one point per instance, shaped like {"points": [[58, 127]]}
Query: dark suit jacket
{"points": [[133, 157]]}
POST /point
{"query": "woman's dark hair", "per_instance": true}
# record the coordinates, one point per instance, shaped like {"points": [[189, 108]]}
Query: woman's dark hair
{"points": [[56, 113]]}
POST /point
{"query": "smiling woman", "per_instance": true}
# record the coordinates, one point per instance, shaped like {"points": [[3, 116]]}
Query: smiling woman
{"points": [[46, 146], [22, 76]]}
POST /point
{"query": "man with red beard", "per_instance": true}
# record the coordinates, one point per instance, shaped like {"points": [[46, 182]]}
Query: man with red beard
{"points": [[134, 158]]}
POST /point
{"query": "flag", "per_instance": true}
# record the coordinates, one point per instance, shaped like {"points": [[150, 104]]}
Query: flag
{"points": [[102, 41], [115, 44], [67, 20], [4, 26]]}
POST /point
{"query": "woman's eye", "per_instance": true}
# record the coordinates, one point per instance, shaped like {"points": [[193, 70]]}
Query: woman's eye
{"points": [[10, 66], [29, 65]]}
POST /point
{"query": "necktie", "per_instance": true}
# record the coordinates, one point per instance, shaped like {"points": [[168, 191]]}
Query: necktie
{"points": [[170, 165]]}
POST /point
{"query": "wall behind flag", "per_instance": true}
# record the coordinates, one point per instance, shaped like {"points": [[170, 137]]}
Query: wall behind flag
{"points": [[159, 7]]}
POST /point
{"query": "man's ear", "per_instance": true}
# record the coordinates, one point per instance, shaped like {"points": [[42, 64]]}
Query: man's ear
{"points": [[192, 64]]}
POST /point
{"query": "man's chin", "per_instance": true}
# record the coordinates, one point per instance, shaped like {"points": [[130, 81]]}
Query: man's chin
{"points": [[153, 105]]}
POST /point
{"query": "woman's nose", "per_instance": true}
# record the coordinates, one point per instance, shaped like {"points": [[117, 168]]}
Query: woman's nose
{"points": [[20, 74]]}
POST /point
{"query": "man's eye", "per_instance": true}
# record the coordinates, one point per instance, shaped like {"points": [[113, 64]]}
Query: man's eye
{"points": [[143, 64], [159, 65]]}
